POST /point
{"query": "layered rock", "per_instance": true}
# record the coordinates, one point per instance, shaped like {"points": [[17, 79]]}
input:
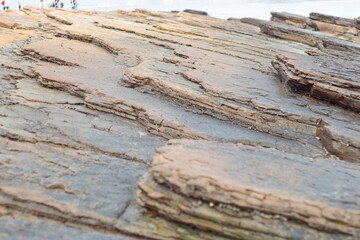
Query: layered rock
{"points": [[313, 38], [245, 192], [310, 75], [346, 22], [344, 27], [87, 97], [319, 77], [291, 19], [192, 11]]}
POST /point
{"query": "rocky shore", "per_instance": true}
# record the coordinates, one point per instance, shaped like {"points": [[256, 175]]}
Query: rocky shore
{"points": [[148, 125]]}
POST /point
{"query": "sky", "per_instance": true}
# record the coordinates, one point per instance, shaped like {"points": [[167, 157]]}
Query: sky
{"points": [[222, 8]]}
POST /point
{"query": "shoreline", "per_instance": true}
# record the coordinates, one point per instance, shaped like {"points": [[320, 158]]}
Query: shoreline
{"points": [[344, 8]]}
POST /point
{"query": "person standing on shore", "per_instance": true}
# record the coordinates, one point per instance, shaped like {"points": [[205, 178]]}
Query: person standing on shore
{"points": [[74, 4], [6, 4]]}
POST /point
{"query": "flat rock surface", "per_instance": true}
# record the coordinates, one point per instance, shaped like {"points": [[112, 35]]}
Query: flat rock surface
{"points": [[319, 76], [87, 97], [293, 195]]}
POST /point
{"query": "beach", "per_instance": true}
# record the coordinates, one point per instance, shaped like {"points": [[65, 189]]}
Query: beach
{"points": [[222, 9]]}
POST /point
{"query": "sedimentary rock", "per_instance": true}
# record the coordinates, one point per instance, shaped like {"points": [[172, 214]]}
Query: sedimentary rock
{"points": [[292, 19], [310, 74], [242, 192], [196, 12], [87, 97], [344, 27], [346, 22], [306, 36], [252, 21]]}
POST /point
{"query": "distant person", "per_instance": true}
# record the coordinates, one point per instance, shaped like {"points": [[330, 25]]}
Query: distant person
{"points": [[61, 4], [57, 3], [42, 3], [6, 5], [74, 4], [19, 4]]}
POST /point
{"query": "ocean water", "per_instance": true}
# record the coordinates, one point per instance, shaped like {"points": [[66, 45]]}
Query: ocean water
{"points": [[221, 8]]}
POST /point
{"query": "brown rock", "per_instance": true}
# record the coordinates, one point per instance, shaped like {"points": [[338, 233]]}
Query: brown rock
{"points": [[346, 22], [312, 38], [86, 97], [335, 29], [291, 19], [325, 23], [249, 192], [321, 78], [251, 21], [197, 12]]}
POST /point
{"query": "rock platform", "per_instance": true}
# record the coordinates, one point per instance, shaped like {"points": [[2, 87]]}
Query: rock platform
{"points": [[152, 125]]}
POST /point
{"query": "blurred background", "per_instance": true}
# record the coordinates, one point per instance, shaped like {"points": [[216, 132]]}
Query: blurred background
{"points": [[220, 8]]}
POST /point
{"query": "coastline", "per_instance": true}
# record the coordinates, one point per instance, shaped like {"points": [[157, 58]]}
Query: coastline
{"points": [[254, 9]]}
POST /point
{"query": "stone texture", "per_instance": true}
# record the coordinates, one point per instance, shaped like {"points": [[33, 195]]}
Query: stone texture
{"points": [[343, 27], [319, 77], [86, 97], [252, 21], [313, 38], [346, 22], [196, 12], [17, 229], [217, 187], [291, 19]]}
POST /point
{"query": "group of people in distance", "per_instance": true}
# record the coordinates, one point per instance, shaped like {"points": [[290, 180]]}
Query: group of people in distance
{"points": [[54, 3], [59, 4], [5, 4], [74, 4]]}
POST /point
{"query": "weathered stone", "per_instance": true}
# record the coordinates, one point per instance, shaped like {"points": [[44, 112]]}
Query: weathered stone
{"points": [[312, 38], [242, 191], [252, 21], [346, 22], [292, 19], [336, 30], [197, 12], [321, 77], [86, 97], [13, 228], [345, 28]]}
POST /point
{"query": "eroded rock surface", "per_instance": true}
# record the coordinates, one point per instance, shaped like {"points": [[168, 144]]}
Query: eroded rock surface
{"points": [[344, 27], [319, 76], [217, 187], [86, 98]]}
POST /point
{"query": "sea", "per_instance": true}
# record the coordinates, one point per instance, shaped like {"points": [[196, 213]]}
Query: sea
{"points": [[220, 8]]}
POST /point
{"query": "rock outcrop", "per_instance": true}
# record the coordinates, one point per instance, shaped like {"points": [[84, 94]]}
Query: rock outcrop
{"points": [[291, 19], [263, 122], [343, 27], [310, 75], [217, 187], [196, 12], [345, 22]]}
